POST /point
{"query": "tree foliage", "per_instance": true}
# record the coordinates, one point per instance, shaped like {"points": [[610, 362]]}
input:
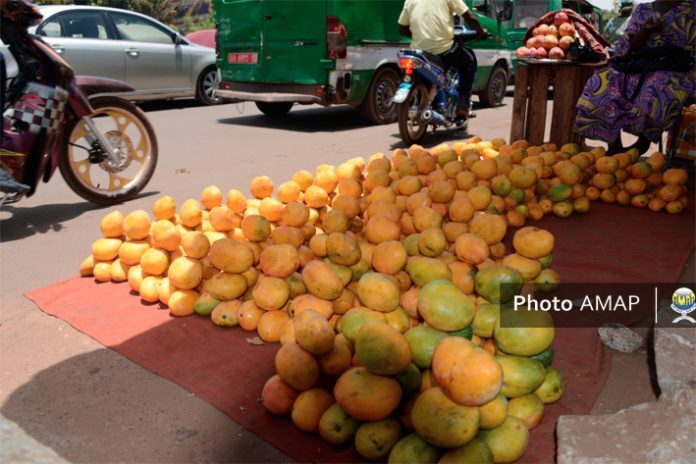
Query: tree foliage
{"points": [[162, 10]]}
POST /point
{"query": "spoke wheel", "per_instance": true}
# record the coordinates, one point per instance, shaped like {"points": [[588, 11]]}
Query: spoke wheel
{"points": [[113, 179], [411, 127]]}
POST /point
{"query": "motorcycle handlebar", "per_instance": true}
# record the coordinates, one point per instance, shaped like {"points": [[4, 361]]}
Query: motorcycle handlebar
{"points": [[463, 34]]}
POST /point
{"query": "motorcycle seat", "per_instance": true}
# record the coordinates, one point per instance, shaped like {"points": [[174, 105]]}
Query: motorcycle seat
{"points": [[435, 60]]}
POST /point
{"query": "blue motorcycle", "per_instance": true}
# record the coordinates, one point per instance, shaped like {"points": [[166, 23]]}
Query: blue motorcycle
{"points": [[427, 95]]}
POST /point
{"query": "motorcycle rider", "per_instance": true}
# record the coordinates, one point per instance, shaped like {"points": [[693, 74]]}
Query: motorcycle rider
{"points": [[430, 24], [16, 14]]}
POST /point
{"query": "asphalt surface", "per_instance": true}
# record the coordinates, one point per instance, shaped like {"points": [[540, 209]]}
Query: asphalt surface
{"points": [[89, 403]]}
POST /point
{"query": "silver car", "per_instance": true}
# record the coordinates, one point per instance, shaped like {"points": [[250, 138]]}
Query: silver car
{"points": [[156, 61]]}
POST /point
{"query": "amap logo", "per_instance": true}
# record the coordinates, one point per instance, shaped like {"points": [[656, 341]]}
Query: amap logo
{"points": [[683, 302]]}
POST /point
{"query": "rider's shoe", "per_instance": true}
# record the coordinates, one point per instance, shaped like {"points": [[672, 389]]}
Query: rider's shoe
{"points": [[9, 185], [464, 109]]}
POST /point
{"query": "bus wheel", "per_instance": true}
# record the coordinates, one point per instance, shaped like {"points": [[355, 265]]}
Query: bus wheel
{"points": [[274, 110], [377, 105], [494, 92]]}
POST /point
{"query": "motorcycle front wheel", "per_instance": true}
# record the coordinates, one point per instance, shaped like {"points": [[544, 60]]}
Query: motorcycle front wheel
{"points": [[412, 128], [130, 134]]}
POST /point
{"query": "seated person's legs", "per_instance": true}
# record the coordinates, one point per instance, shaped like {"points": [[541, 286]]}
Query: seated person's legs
{"points": [[464, 61]]}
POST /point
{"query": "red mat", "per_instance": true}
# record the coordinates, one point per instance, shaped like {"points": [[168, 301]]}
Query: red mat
{"points": [[620, 244], [612, 244]]}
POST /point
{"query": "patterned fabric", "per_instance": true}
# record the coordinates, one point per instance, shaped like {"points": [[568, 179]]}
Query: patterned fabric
{"points": [[40, 107], [603, 111]]}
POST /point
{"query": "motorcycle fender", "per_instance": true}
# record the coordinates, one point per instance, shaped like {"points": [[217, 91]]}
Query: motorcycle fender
{"points": [[402, 92], [91, 85]]}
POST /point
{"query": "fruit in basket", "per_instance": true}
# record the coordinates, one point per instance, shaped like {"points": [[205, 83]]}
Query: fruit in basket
{"points": [[556, 53], [560, 18], [566, 30], [542, 29], [549, 41], [565, 42]]}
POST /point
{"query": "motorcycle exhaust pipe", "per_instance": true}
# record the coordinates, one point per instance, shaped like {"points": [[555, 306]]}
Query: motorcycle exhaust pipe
{"points": [[430, 115]]}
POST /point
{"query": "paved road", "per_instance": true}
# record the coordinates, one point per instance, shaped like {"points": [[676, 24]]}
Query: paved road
{"points": [[89, 403]]}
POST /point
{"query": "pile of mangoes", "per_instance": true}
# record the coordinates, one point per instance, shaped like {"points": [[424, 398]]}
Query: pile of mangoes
{"points": [[388, 277]]}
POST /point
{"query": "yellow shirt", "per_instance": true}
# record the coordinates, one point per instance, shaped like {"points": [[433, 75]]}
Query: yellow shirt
{"points": [[431, 23]]}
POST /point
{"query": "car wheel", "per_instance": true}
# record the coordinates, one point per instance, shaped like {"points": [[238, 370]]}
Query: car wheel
{"points": [[274, 110], [207, 83], [494, 92], [377, 105]]}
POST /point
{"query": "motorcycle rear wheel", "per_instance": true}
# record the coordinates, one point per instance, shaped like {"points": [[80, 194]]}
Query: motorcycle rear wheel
{"points": [[127, 129], [411, 127]]}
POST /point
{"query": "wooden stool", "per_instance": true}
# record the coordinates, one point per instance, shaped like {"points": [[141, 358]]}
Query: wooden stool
{"points": [[530, 101]]}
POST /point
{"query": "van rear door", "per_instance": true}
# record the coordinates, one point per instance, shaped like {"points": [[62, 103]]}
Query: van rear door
{"points": [[272, 41], [240, 40], [294, 41]]}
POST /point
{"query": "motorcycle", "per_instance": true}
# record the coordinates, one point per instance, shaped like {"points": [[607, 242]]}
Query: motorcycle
{"points": [[104, 146], [427, 95]]}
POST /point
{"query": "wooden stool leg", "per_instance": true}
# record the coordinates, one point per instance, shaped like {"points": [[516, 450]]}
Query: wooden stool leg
{"points": [[536, 112], [564, 101], [519, 103]]}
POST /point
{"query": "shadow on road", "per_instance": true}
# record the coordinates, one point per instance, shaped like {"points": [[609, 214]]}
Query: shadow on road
{"points": [[27, 221], [177, 104], [89, 408], [334, 119], [100, 407], [431, 139]]}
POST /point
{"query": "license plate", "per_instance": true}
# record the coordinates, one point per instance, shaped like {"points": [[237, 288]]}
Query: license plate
{"points": [[243, 58], [402, 93]]}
